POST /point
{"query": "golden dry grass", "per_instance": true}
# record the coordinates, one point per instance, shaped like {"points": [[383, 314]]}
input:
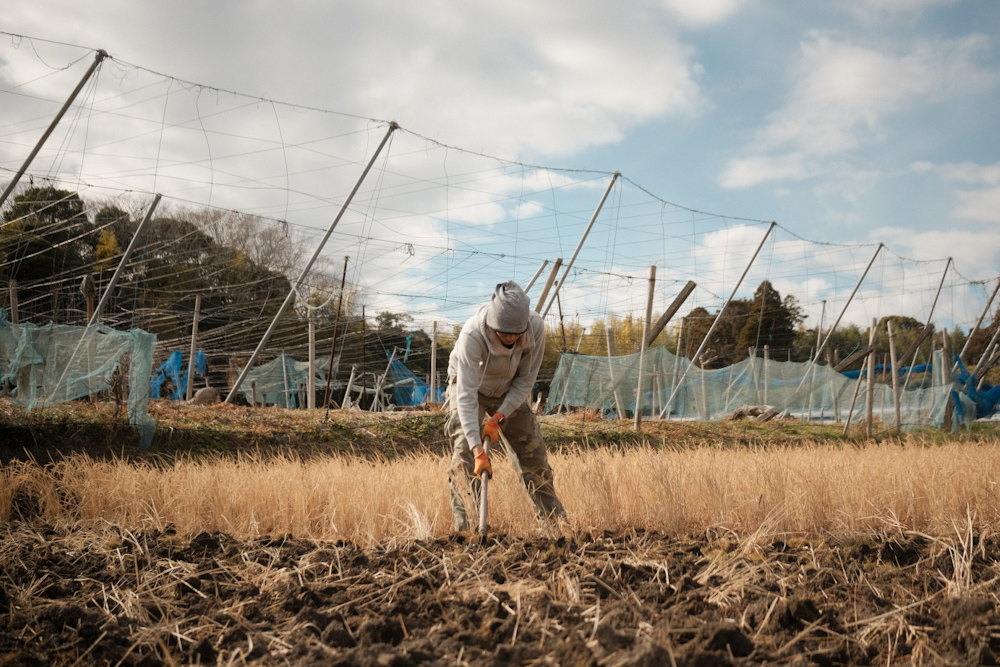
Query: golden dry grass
{"points": [[814, 489]]}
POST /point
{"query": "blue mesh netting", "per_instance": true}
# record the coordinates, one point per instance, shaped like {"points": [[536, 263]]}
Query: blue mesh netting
{"points": [[279, 380], [675, 388], [57, 363]]}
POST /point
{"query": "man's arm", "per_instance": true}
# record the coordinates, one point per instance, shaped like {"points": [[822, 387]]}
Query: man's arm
{"points": [[467, 355]]}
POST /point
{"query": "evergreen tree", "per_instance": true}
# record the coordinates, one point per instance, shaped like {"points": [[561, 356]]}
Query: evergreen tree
{"points": [[769, 322]]}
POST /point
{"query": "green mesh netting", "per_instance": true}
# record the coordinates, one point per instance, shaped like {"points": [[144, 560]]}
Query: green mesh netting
{"points": [[279, 380], [57, 363], [676, 389]]}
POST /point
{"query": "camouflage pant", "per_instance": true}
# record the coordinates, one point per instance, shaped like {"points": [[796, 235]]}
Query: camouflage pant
{"points": [[527, 454]]}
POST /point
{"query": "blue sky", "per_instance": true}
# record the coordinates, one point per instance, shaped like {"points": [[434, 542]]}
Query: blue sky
{"points": [[846, 122]]}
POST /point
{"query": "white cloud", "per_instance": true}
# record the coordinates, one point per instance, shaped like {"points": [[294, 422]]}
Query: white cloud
{"points": [[870, 11], [704, 12], [846, 91], [749, 171], [977, 191], [843, 97]]}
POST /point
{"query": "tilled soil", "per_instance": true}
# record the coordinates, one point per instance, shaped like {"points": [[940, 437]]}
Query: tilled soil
{"points": [[111, 597]]}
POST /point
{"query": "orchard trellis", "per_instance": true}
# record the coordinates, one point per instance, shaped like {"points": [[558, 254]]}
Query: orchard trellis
{"points": [[250, 187]]}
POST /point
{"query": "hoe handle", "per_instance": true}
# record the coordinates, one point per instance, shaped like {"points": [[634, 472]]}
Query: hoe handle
{"points": [[484, 503]]}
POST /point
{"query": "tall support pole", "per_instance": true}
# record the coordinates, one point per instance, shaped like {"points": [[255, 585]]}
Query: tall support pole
{"points": [[434, 359], [346, 403], [642, 347], [870, 387], [124, 260], [110, 288], [535, 277], [284, 373], [930, 319], [298, 282], [548, 285], [965, 348], [13, 302], [895, 373], [718, 318], [189, 391], [583, 238], [562, 326], [333, 341], [826, 341], [670, 312], [987, 353], [819, 331], [619, 414], [311, 381], [98, 58], [854, 400], [945, 358]]}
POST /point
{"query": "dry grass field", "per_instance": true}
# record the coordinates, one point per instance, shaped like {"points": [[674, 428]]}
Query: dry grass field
{"points": [[692, 545]]}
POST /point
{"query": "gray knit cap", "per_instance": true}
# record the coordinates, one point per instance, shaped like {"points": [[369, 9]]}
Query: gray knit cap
{"points": [[508, 310]]}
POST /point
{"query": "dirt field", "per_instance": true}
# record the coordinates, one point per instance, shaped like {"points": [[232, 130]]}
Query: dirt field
{"points": [[72, 597]]}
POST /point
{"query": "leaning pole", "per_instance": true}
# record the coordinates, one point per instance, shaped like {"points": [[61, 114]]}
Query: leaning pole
{"points": [[101, 55], [579, 245], [826, 340], [298, 281], [718, 318]]}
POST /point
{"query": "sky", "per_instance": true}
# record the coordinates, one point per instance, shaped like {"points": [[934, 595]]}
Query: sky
{"points": [[849, 123]]}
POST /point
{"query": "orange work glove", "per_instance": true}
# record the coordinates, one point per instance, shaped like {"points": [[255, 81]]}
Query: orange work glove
{"points": [[483, 465], [492, 428]]}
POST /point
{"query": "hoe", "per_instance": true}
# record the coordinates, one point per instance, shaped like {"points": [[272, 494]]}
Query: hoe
{"points": [[484, 503]]}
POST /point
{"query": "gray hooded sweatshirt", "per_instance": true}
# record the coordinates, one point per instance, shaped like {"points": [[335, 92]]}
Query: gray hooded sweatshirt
{"points": [[480, 363]]}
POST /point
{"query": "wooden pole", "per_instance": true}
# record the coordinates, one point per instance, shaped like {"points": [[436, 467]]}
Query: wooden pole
{"points": [[870, 397], [89, 291], [562, 327], [381, 383], [364, 359], [189, 392], [548, 285], [333, 341], [253, 391], [767, 375], [642, 347], [311, 380], [946, 362], [670, 312], [346, 403], [535, 277], [434, 359], [850, 413], [895, 373], [945, 358], [284, 372], [835, 392], [619, 414], [13, 301]]}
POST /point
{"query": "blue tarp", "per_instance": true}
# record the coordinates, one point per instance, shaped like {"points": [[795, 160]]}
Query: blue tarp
{"points": [[986, 399], [409, 389], [175, 369]]}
